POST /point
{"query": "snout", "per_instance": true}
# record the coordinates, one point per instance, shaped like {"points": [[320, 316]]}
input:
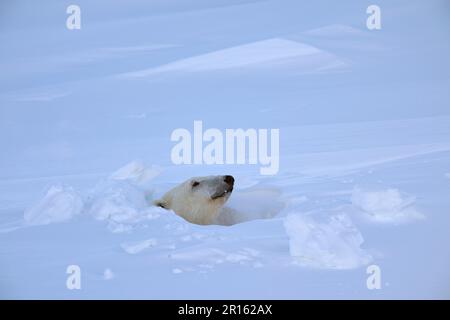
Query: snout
{"points": [[225, 189], [229, 180]]}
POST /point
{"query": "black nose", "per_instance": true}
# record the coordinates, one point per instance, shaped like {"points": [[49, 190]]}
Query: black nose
{"points": [[229, 180]]}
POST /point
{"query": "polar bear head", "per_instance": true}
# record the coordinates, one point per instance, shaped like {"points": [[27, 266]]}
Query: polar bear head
{"points": [[198, 199]]}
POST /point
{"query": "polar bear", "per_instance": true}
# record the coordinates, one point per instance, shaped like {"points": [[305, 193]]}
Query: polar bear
{"points": [[200, 199]]}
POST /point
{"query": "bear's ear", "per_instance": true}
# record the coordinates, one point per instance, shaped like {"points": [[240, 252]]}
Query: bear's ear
{"points": [[160, 203]]}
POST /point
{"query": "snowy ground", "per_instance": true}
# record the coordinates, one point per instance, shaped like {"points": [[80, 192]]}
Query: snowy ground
{"points": [[364, 119]]}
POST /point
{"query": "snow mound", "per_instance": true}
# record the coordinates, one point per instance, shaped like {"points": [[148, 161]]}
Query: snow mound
{"points": [[121, 200], [334, 244], [137, 172], [266, 53], [385, 206], [251, 204], [60, 203], [122, 204]]}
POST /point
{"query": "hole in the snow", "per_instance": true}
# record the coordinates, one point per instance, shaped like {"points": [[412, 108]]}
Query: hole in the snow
{"points": [[251, 204]]}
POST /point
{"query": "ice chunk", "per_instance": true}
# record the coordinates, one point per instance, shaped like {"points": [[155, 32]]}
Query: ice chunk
{"points": [[120, 202], [334, 244], [137, 172], [385, 206], [60, 203], [136, 247]]}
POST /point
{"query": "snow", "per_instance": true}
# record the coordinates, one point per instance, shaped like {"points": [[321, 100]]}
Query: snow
{"points": [[386, 206], [335, 244], [85, 123], [262, 54], [250, 204], [108, 274], [333, 31], [135, 171], [59, 204], [133, 248]]}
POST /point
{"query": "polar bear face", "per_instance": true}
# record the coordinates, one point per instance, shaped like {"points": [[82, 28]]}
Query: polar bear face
{"points": [[198, 199]]}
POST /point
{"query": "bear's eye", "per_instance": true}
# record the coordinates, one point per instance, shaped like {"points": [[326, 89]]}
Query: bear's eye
{"points": [[195, 183]]}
